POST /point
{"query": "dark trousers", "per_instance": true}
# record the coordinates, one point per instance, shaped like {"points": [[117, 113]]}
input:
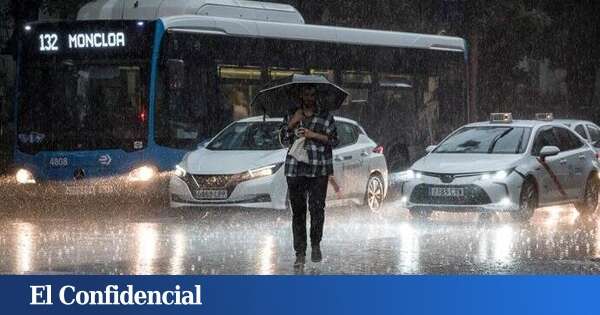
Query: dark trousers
{"points": [[315, 189]]}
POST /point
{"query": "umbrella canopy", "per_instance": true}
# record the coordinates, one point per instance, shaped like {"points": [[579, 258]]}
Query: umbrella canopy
{"points": [[281, 97]]}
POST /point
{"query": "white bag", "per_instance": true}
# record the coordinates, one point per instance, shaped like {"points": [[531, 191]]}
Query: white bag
{"points": [[298, 151]]}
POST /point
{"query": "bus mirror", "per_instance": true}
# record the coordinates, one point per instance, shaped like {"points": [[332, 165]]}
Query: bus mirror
{"points": [[175, 73]]}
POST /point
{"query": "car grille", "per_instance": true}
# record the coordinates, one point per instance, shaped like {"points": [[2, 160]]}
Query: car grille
{"points": [[449, 178], [213, 181], [208, 182], [473, 195]]}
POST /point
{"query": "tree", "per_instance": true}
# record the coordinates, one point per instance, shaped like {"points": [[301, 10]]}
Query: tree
{"points": [[573, 41], [500, 35]]}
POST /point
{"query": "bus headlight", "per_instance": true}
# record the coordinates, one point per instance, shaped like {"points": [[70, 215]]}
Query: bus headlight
{"points": [[180, 171], [142, 174], [25, 177]]}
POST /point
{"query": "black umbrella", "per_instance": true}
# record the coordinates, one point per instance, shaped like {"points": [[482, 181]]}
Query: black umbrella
{"points": [[281, 97]]}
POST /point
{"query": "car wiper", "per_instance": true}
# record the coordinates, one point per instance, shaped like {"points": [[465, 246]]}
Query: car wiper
{"points": [[498, 137]]}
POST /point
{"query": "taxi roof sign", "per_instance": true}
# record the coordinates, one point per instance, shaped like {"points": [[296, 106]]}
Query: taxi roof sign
{"points": [[501, 117], [544, 116]]}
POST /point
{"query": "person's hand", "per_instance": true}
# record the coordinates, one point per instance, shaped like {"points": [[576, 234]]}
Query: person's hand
{"points": [[336, 188], [296, 118], [307, 133]]}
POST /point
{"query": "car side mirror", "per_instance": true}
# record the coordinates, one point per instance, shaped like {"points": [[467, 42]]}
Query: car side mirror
{"points": [[175, 74], [430, 148], [549, 150]]}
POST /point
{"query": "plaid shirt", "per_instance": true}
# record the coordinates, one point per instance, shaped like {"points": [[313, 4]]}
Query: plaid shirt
{"points": [[320, 156]]}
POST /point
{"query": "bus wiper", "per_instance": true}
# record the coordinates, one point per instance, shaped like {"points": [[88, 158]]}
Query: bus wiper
{"points": [[498, 137]]}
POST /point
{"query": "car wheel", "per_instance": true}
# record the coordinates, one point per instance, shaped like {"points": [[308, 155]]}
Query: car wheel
{"points": [[420, 214], [375, 193], [528, 201], [590, 198]]}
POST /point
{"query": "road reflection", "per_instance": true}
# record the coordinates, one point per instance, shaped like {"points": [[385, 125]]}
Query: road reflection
{"points": [[409, 249], [556, 240], [266, 256], [25, 246], [146, 239], [178, 256]]}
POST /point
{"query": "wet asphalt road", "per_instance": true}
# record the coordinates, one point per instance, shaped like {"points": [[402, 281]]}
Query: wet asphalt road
{"points": [[113, 238]]}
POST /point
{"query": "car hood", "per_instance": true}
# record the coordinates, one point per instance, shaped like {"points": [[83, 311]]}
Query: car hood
{"points": [[212, 162], [453, 163]]}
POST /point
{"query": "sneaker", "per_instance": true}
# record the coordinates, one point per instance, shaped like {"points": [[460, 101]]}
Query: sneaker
{"points": [[300, 260], [316, 255]]}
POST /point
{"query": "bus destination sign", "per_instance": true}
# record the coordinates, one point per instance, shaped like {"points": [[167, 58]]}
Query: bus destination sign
{"points": [[97, 40], [88, 39]]}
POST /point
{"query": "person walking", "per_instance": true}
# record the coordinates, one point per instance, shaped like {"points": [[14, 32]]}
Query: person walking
{"points": [[307, 177]]}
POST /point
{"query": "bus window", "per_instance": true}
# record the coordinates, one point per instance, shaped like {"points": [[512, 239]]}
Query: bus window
{"points": [[395, 81], [238, 86], [217, 88], [357, 83], [279, 73], [328, 74]]}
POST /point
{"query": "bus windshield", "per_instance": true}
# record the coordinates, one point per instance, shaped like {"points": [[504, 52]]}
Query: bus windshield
{"points": [[71, 105]]}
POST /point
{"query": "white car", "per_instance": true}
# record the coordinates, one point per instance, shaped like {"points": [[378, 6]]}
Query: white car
{"points": [[586, 129], [243, 166], [504, 165]]}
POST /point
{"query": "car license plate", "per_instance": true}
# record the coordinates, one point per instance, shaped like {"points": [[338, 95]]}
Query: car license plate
{"points": [[82, 190], [211, 194], [446, 192]]}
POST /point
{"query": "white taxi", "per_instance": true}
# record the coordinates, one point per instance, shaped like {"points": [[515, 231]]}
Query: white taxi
{"points": [[504, 165]]}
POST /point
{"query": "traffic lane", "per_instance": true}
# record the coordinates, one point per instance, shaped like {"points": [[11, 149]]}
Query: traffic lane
{"points": [[235, 241]]}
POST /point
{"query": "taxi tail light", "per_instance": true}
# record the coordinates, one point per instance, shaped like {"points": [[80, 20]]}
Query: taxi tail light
{"points": [[378, 149]]}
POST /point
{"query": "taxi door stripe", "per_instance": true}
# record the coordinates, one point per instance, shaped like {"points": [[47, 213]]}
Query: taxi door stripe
{"points": [[553, 176]]}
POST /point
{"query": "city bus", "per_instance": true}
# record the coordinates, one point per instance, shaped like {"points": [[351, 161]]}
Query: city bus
{"points": [[123, 92]]}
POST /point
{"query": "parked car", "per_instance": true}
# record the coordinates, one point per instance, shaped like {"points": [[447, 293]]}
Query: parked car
{"points": [[243, 166], [504, 165], [586, 129]]}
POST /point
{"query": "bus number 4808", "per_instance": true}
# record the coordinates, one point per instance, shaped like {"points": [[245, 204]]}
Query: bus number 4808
{"points": [[59, 161]]}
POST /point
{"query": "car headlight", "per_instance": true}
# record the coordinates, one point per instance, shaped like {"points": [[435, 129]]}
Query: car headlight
{"points": [[264, 171], [180, 171], [409, 175], [258, 172], [24, 176], [142, 174], [496, 176]]}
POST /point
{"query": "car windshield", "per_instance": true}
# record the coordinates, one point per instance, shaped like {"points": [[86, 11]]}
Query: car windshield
{"points": [[487, 139], [248, 136]]}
